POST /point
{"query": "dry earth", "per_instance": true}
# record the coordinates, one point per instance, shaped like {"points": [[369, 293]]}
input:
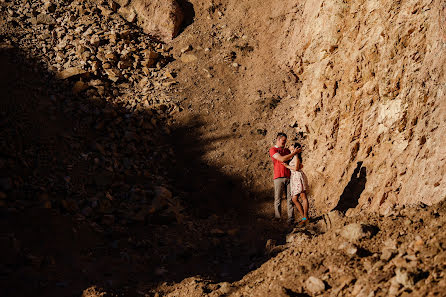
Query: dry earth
{"points": [[141, 167], [367, 255]]}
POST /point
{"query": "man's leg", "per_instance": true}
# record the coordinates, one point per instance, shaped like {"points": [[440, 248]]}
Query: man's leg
{"points": [[278, 186], [289, 201]]}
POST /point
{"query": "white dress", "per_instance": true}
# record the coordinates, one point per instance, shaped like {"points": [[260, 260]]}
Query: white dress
{"points": [[298, 180]]}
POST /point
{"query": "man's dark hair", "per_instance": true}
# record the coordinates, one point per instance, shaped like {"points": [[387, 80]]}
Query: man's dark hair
{"points": [[281, 134]]}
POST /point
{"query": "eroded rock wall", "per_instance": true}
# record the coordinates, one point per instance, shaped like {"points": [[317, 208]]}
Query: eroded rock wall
{"points": [[373, 91]]}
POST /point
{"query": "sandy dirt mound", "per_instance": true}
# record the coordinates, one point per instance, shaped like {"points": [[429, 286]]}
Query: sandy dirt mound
{"points": [[365, 255]]}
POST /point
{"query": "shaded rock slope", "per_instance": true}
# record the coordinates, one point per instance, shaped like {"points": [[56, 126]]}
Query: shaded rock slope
{"points": [[366, 255]]}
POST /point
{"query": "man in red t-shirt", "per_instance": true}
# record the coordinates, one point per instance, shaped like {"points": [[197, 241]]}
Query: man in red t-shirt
{"points": [[280, 154]]}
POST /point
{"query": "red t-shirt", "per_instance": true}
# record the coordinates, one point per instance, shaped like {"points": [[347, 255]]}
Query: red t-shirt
{"points": [[279, 169]]}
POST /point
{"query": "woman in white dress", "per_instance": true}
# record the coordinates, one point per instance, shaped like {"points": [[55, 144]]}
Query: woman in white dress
{"points": [[298, 184]]}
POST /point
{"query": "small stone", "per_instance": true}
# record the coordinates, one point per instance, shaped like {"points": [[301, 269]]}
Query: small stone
{"points": [[87, 211], [124, 64], [329, 220], [162, 193], [150, 54], [45, 19], [146, 70], [70, 72], [95, 41], [70, 205], [188, 58], [297, 238], [403, 278], [47, 204], [225, 288], [108, 219], [169, 74], [94, 292], [148, 63], [113, 5], [355, 232], [113, 74], [186, 49], [351, 250], [95, 65], [387, 254], [122, 2], [270, 245], [314, 285], [112, 37], [79, 86], [106, 65], [111, 56]]}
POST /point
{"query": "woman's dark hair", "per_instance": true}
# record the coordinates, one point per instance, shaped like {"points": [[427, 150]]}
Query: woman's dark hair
{"points": [[299, 155], [297, 144]]}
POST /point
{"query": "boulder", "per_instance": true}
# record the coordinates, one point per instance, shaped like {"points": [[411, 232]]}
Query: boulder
{"points": [[159, 18], [128, 13]]}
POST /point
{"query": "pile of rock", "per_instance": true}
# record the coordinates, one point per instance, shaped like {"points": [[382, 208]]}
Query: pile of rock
{"points": [[364, 255], [103, 76], [92, 46]]}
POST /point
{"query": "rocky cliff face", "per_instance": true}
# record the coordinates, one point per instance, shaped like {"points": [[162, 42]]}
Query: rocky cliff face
{"points": [[361, 83], [373, 91]]}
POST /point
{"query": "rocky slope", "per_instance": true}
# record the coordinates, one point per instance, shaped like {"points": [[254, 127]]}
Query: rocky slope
{"points": [[366, 255], [83, 131]]}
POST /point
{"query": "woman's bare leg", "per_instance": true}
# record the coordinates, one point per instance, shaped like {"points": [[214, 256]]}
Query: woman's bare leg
{"points": [[298, 205], [303, 196]]}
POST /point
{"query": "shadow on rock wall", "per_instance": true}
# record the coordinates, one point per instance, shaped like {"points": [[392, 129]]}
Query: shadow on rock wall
{"points": [[350, 196], [189, 13], [87, 197]]}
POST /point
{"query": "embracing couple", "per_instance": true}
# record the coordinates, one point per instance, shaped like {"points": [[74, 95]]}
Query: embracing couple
{"points": [[289, 177]]}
